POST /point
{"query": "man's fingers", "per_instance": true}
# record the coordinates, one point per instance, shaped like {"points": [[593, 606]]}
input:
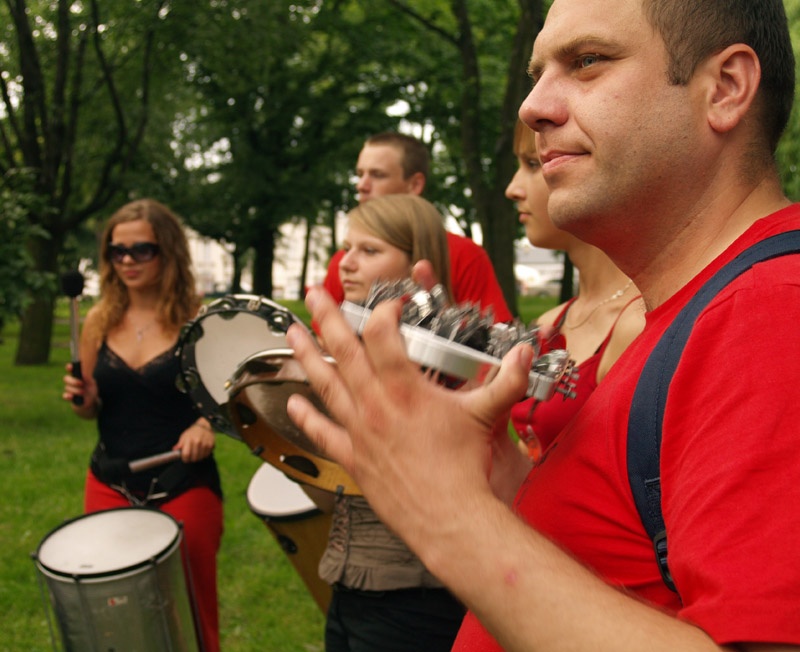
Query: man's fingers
{"points": [[384, 343], [330, 438], [324, 377], [423, 274], [496, 397], [340, 341]]}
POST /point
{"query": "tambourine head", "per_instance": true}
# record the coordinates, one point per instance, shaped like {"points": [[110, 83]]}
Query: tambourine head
{"points": [[258, 396], [214, 344]]}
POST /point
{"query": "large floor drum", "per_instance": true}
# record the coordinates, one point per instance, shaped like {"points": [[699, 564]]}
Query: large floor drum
{"points": [[116, 581]]}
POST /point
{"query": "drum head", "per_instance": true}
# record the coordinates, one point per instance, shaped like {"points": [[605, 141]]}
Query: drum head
{"points": [[272, 495], [214, 344], [108, 542]]}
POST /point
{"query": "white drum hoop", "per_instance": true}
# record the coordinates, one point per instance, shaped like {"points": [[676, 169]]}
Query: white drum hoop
{"points": [[58, 557], [212, 346]]}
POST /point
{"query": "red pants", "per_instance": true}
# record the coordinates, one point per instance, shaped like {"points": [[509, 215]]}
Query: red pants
{"points": [[200, 511]]}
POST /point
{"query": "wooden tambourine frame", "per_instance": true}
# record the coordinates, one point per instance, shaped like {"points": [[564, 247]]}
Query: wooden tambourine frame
{"points": [[257, 405]]}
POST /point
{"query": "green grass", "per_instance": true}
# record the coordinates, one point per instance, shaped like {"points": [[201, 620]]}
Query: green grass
{"points": [[44, 452], [532, 307]]}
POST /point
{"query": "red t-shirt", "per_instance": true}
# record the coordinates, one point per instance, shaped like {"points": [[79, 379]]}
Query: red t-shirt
{"points": [[471, 274], [730, 463]]}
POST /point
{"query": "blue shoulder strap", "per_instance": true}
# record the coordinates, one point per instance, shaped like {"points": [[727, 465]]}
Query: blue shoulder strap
{"points": [[650, 397]]}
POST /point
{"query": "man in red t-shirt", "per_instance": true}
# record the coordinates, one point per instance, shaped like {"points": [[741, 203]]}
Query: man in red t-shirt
{"points": [[392, 163], [657, 123]]}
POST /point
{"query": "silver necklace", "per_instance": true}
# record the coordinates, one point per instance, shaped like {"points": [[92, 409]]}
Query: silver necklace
{"points": [[140, 331], [616, 295]]}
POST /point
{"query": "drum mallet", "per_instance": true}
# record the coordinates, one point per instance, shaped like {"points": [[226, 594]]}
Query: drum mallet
{"points": [[119, 467], [72, 285], [154, 460]]}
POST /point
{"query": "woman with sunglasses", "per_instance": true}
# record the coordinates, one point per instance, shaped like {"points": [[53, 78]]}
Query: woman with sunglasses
{"points": [[128, 364]]}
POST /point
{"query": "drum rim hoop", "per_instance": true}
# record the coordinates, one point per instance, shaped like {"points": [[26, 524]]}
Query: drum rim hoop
{"points": [[118, 572]]}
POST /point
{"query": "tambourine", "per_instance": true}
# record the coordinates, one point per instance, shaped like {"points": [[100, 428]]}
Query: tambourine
{"points": [[213, 345], [461, 341], [239, 371], [259, 392]]}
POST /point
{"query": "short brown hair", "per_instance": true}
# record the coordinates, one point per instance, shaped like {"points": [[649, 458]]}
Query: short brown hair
{"points": [[415, 156], [693, 30]]}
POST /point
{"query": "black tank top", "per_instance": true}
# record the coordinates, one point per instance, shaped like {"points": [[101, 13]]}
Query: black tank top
{"points": [[143, 413]]}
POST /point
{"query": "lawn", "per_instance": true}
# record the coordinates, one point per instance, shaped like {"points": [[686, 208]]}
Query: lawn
{"points": [[44, 451]]}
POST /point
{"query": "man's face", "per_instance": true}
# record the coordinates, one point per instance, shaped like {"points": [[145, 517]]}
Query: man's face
{"points": [[380, 172], [615, 138]]}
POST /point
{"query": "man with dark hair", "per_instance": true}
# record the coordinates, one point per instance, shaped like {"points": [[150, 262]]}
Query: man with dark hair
{"points": [[672, 175], [392, 163]]}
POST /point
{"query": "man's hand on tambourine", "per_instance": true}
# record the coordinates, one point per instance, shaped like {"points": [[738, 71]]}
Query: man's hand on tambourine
{"points": [[413, 446]]}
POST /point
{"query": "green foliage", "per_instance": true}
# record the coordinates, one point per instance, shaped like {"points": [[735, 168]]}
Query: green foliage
{"points": [[788, 153], [18, 278]]}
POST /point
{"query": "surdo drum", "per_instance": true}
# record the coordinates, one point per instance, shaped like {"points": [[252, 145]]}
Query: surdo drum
{"points": [[115, 581], [298, 526]]}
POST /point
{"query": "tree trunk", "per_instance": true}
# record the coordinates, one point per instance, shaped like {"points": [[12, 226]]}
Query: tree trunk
{"points": [[493, 211], [332, 224], [306, 254], [236, 281], [502, 232], [36, 328], [262, 265], [567, 285]]}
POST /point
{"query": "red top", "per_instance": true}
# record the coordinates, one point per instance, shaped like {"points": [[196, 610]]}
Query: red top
{"points": [[541, 421], [730, 461], [471, 274]]}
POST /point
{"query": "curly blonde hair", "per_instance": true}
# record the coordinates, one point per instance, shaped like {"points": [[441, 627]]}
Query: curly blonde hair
{"points": [[178, 300]]}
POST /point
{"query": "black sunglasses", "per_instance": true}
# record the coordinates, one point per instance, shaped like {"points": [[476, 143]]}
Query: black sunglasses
{"points": [[141, 252]]}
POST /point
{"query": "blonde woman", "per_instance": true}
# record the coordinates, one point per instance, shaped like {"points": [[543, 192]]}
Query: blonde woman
{"points": [[597, 325], [383, 596]]}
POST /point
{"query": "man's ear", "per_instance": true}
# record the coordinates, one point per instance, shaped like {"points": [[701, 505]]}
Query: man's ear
{"points": [[416, 183], [734, 75]]}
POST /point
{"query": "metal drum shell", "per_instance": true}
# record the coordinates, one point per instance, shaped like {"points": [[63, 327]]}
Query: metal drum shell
{"points": [[144, 604]]}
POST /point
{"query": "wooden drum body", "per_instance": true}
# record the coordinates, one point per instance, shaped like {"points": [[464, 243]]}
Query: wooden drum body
{"points": [[298, 526], [259, 392]]}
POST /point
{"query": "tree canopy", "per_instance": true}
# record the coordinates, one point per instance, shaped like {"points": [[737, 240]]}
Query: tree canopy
{"points": [[243, 116]]}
